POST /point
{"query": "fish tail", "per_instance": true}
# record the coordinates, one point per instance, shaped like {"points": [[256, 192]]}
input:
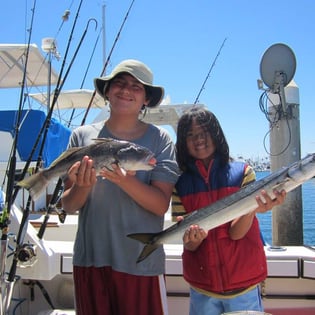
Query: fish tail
{"points": [[35, 184], [148, 240]]}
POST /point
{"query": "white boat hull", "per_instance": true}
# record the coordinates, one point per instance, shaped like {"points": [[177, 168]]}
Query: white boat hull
{"points": [[290, 283]]}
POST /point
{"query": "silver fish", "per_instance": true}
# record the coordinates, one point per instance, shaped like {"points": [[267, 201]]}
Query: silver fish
{"points": [[232, 206], [104, 152]]}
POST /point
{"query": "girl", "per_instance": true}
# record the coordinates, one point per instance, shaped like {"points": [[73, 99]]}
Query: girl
{"points": [[225, 265]]}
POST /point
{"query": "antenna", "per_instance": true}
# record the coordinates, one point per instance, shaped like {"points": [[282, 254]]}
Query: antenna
{"points": [[277, 68], [277, 61], [49, 45]]}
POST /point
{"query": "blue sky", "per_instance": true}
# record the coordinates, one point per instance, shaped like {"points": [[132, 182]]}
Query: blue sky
{"points": [[179, 40]]}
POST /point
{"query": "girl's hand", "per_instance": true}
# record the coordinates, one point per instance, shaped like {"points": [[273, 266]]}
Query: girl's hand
{"points": [[193, 237], [265, 202]]}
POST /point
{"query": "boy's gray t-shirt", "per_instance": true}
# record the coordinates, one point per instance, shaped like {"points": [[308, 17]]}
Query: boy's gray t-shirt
{"points": [[110, 214]]}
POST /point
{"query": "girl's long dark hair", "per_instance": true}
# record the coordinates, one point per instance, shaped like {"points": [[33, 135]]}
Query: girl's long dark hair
{"points": [[210, 124]]}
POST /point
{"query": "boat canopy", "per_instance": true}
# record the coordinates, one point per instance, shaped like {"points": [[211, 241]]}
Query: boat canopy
{"points": [[13, 64], [71, 99], [32, 122]]}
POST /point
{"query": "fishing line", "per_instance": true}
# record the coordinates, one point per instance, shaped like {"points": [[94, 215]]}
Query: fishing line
{"points": [[66, 54], [64, 18]]}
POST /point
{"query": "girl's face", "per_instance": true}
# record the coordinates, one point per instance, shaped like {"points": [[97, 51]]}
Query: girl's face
{"points": [[199, 143], [126, 94]]}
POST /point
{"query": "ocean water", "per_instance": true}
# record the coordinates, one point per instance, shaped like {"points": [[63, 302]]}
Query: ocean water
{"points": [[308, 202]]}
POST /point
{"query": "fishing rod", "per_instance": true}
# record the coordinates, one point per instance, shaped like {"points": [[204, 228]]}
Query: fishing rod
{"points": [[5, 218], [44, 130], [208, 75], [107, 61], [84, 77], [58, 188], [46, 123], [23, 226]]}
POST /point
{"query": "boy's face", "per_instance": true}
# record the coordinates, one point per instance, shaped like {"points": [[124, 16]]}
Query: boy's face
{"points": [[126, 94], [199, 143]]}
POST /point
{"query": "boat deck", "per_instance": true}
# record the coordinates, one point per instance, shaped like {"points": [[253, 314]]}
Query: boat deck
{"points": [[289, 288]]}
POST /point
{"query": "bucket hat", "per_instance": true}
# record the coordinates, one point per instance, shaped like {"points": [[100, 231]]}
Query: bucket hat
{"points": [[139, 71]]}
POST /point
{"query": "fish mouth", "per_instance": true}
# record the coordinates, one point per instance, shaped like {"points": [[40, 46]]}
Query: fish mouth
{"points": [[151, 161]]}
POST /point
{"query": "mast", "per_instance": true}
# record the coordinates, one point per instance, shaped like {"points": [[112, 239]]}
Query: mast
{"points": [[103, 32], [287, 219]]}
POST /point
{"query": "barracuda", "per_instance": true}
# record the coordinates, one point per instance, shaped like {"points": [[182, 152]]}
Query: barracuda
{"points": [[232, 206], [104, 152]]}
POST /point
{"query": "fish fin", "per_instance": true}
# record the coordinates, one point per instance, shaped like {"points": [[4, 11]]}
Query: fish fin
{"points": [[64, 155], [148, 239], [147, 251], [35, 184], [100, 140]]}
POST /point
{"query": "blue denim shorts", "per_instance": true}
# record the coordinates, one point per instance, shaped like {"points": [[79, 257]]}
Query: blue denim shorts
{"points": [[201, 304]]}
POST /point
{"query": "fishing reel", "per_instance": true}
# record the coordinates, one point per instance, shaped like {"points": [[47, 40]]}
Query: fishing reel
{"points": [[26, 255]]}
